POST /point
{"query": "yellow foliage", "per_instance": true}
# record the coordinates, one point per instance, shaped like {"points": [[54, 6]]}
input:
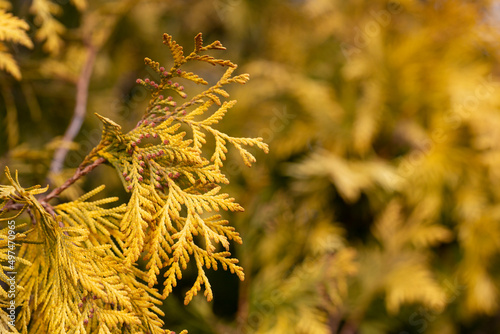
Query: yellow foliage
{"points": [[388, 132], [49, 28], [375, 213], [12, 29], [79, 258]]}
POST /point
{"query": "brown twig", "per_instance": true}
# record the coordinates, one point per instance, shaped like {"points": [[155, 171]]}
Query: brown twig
{"points": [[81, 171], [11, 205], [349, 328], [82, 90], [32, 216]]}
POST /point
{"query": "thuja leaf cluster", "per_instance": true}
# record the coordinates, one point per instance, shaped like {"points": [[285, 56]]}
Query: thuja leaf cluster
{"points": [[76, 262]]}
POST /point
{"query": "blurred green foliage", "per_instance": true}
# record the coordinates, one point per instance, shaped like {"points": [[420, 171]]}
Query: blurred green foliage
{"points": [[377, 208]]}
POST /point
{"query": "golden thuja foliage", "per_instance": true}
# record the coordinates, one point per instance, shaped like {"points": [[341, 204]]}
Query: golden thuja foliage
{"points": [[376, 212], [382, 116], [417, 89], [77, 261], [12, 30]]}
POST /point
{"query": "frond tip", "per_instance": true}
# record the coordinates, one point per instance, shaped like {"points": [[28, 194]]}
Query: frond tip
{"points": [[173, 180], [12, 29]]}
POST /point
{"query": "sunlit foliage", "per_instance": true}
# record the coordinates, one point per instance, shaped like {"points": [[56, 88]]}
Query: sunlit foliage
{"points": [[75, 270], [376, 209]]}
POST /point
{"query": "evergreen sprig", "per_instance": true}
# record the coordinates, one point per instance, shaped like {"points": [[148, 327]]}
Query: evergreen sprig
{"points": [[78, 272], [12, 29]]}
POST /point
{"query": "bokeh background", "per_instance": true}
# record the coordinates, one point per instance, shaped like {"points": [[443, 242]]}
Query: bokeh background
{"points": [[376, 210]]}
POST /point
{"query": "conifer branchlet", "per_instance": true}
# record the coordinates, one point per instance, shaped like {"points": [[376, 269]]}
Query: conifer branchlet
{"points": [[77, 260]]}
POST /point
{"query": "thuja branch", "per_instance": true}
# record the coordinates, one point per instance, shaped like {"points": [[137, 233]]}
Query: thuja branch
{"points": [[82, 88], [175, 186]]}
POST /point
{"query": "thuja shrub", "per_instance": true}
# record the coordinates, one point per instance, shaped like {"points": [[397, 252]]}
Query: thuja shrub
{"points": [[72, 267]]}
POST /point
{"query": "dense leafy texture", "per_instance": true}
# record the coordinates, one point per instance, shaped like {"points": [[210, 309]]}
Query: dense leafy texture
{"points": [[76, 266], [376, 211]]}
